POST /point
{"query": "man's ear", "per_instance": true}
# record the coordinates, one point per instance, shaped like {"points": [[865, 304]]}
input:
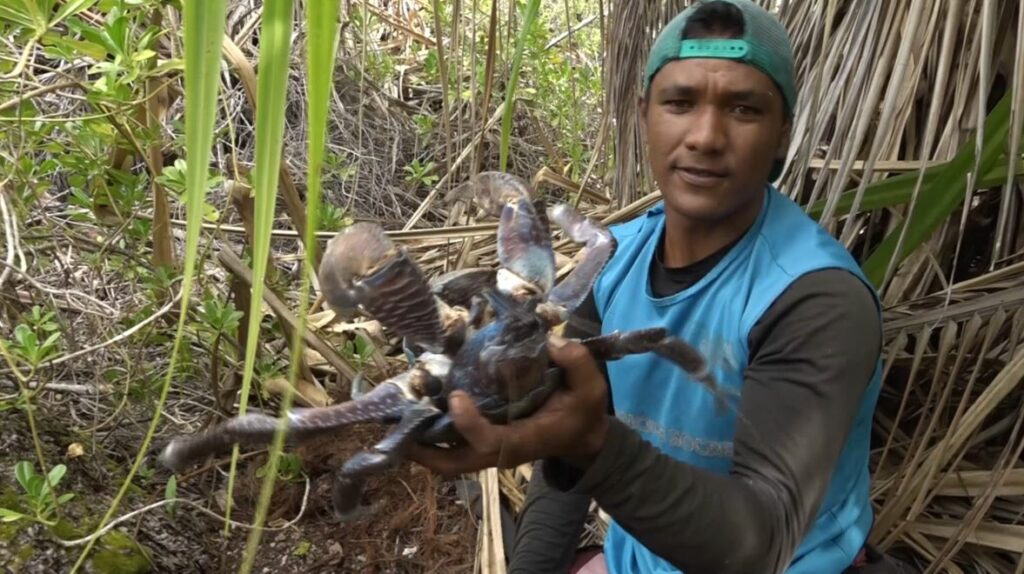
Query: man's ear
{"points": [[641, 106], [784, 140]]}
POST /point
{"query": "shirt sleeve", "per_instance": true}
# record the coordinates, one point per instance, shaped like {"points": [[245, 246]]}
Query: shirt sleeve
{"points": [[812, 356]]}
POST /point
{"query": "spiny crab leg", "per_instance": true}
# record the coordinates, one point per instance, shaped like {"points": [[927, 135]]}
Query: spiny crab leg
{"points": [[363, 269], [385, 403], [658, 340], [599, 244], [351, 480]]}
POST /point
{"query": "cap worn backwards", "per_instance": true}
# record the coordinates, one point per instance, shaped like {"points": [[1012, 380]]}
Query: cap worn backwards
{"points": [[764, 45]]}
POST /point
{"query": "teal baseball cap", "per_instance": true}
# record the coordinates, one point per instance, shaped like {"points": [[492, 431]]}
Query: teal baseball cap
{"points": [[765, 45]]}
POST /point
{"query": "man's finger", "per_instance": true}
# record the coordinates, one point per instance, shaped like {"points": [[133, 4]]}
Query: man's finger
{"points": [[478, 431], [447, 462]]}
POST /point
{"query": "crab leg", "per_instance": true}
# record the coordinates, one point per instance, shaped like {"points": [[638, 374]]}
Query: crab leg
{"points": [[657, 340], [600, 246], [385, 403], [351, 480]]}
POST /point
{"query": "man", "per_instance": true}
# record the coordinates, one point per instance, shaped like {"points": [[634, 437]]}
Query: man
{"points": [[781, 310]]}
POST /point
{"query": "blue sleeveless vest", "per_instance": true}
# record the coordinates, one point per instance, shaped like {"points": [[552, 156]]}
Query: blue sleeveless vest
{"points": [[658, 400]]}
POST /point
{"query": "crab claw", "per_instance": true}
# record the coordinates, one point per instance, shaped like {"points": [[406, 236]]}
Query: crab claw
{"points": [[599, 244], [363, 269]]}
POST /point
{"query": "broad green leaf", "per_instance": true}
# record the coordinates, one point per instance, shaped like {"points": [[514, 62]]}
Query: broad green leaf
{"points": [[8, 515], [898, 189], [939, 199], [25, 337], [57, 473], [17, 13], [36, 486], [23, 471], [70, 8]]}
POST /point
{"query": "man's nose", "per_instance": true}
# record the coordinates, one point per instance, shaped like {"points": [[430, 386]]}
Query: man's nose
{"points": [[706, 130]]}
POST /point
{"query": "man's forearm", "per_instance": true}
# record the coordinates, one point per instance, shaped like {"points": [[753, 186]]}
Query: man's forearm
{"points": [[699, 521], [549, 528]]}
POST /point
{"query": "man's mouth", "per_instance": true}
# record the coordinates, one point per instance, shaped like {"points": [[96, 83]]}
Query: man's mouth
{"points": [[701, 176]]}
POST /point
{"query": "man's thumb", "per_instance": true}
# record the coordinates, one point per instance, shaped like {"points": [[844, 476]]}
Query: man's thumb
{"points": [[574, 358], [469, 422]]}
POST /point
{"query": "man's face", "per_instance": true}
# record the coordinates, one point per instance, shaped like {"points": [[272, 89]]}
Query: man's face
{"points": [[714, 127]]}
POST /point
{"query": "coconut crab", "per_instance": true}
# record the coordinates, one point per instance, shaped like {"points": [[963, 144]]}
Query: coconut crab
{"points": [[480, 330]]}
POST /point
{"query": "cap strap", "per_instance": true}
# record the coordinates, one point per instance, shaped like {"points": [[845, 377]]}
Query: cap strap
{"points": [[714, 48]]}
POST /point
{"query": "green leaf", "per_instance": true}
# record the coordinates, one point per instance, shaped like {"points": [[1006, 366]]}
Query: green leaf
{"points": [[8, 515], [70, 8], [940, 197], [898, 189], [57, 473], [25, 337], [17, 13], [271, 99], [24, 471]]}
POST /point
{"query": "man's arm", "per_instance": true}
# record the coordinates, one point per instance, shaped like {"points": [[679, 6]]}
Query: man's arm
{"points": [[812, 355], [552, 520]]}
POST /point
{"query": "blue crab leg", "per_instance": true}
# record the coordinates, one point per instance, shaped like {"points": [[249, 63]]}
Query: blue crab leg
{"points": [[385, 403], [363, 269], [600, 246], [658, 340], [351, 480]]}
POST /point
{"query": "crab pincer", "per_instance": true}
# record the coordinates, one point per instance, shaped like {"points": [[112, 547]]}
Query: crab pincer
{"points": [[362, 269]]}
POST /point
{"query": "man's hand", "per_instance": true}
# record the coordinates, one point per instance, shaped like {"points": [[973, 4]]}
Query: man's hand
{"points": [[571, 424]]}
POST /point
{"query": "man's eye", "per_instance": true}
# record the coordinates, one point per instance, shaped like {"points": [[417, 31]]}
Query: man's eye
{"points": [[745, 110], [678, 104]]}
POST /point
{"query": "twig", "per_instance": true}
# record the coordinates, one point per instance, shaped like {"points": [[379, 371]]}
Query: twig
{"points": [[13, 102], [163, 310], [11, 235], [60, 388], [132, 514], [105, 310]]}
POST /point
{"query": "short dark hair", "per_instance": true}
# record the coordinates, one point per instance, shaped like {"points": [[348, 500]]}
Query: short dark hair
{"points": [[714, 19]]}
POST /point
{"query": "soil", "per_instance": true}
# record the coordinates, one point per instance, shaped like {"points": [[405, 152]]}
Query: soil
{"points": [[420, 523]]}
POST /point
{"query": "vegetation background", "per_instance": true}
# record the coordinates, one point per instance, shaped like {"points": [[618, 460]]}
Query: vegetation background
{"points": [[169, 170]]}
